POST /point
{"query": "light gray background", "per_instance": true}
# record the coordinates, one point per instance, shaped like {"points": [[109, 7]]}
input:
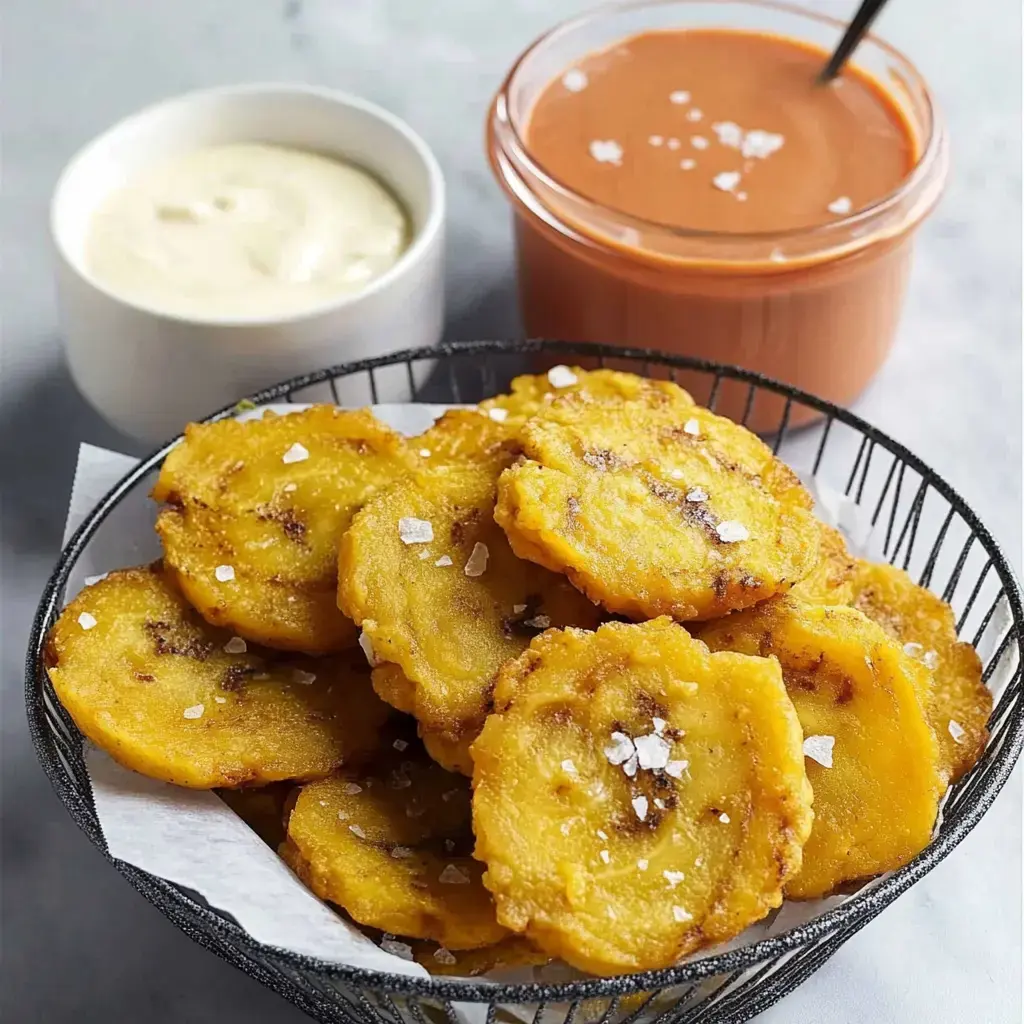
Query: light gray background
{"points": [[80, 944]]}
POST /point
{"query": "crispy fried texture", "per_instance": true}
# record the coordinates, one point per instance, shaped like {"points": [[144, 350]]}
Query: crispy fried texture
{"points": [[392, 847], [232, 500], [607, 884], [259, 716], [447, 632], [874, 809], [264, 809], [465, 435], [514, 951], [610, 494], [530, 394], [831, 582], [915, 616]]}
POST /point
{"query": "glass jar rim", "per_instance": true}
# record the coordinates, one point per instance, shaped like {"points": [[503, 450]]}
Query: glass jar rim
{"points": [[916, 179]]}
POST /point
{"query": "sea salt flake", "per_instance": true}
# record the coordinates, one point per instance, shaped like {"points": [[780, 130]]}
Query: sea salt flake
{"points": [[676, 474], [498, 415], [400, 745], [606, 857], [629, 766], [659, 803], [518, 609], [643, 863], [569, 766], [415, 531], [620, 750], [681, 915], [351, 788], [841, 205], [728, 133], [224, 573], [449, 795], [699, 142], [913, 650], [601, 834], [760, 144], [288, 488], [673, 877], [731, 532], [673, 143], [726, 181], [196, 711], [449, 845], [687, 164], [724, 818], [297, 453], [91, 581], [659, 725], [453, 876], [652, 751], [476, 564], [342, 815], [367, 645], [444, 956], [401, 852], [303, 678], [220, 700], [819, 748], [444, 560], [575, 80], [931, 660], [424, 555], [561, 377], [424, 453], [86, 621], [957, 731], [606, 151], [396, 948], [697, 495], [679, 97], [640, 807], [357, 831], [656, 140], [236, 645], [676, 768], [692, 427], [538, 622], [564, 828], [695, 114]]}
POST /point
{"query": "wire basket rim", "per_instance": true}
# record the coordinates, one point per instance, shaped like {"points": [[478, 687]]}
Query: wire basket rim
{"points": [[860, 907]]}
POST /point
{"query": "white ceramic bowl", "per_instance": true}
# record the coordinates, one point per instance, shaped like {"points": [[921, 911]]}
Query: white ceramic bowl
{"points": [[149, 372]]}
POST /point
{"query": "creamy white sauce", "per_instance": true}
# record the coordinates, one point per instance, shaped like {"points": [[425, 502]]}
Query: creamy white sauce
{"points": [[245, 230]]}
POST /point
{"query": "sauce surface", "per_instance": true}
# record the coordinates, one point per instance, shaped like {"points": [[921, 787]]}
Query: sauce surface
{"points": [[720, 130], [245, 230]]}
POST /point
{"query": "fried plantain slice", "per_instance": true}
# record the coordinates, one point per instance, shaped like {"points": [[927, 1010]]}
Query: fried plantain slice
{"points": [[254, 511], [653, 509], [959, 703], [635, 797], [872, 758], [146, 679], [444, 613], [531, 394], [831, 581], [392, 847], [514, 951], [263, 809], [465, 435]]}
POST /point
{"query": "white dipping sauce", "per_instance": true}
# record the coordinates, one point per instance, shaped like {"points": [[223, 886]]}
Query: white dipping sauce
{"points": [[245, 230]]}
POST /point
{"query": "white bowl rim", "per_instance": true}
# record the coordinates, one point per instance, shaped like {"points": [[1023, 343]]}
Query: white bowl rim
{"points": [[423, 239]]}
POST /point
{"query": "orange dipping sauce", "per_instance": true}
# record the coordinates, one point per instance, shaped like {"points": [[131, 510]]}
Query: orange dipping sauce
{"points": [[697, 190]]}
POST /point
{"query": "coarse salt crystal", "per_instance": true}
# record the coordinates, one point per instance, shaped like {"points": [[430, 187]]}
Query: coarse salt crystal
{"points": [[424, 453], [679, 97], [605, 856], [518, 609], [673, 877], [575, 80], [401, 852], [697, 495], [444, 956], [236, 645], [91, 581], [415, 531], [652, 751], [726, 181], [303, 678], [695, 114], [568, 766], [297, 453], [424, 555], [620, 750], [601, 834], [561, 377], [288, 488], [841, 205], [367, 645], [220, 700], [224, 573], [538, 622], [564, 828], [931, 660], [673, 143], [476, 564], [659, 803], [342, 815], [629, 766], [728, 133], [659, 725], [357, 831], [400, 745], [449, 845], [196, 711], [640, 806], [606, 151], [643, 863], [498, 415], [681, 915], [351, 788], [396, 948], [444, 560], [699, 142], [819, 748], [724, 818], [697, 863], [676, 768], [731, 532], [656, 140], [761, 144], [453, 876], [692, 427], [86, 621], [957, 731], [687, 164], [676, 474]]}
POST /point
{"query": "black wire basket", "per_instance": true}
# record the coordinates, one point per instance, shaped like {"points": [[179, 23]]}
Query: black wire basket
{"points": [[922, 524]]}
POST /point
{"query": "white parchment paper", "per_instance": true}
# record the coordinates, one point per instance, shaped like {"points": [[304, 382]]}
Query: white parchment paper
{"points": [[193, 839]]}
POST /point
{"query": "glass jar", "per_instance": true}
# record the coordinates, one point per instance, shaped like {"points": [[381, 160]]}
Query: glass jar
{"points": [[816, 307]]}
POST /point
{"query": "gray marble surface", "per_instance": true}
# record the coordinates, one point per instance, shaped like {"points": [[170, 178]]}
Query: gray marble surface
{"points": [[79, 944]]}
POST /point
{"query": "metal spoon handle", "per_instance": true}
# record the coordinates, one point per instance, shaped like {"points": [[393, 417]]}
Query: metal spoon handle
{"points": [[855, 32]]}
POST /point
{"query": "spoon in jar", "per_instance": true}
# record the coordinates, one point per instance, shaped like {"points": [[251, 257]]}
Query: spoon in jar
{"points": [[855, 32]]}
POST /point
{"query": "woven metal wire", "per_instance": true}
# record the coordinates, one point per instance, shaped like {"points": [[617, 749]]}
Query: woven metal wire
{"points": [[927, 528]]}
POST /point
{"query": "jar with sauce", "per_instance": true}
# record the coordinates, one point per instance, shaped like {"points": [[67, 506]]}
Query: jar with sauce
{"points": [[681, 181]]}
